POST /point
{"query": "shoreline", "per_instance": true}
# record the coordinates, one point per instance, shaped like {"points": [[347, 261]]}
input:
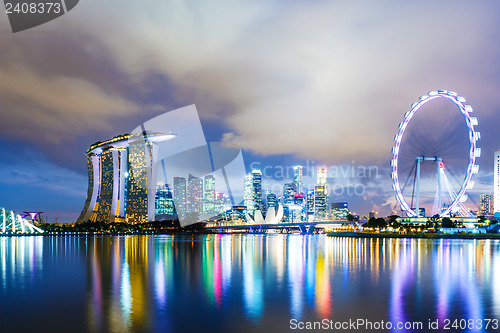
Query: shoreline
{"points": [[420, 236]]}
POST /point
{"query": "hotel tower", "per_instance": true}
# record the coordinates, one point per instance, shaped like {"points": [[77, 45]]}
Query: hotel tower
{"points": [[122, 179]]}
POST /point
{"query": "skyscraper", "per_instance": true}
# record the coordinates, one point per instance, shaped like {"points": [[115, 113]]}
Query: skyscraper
{"points": [[486, 205], [496, 182], [209, 195], [299, 208], [122, 178], [288, 193], [180, 195], [320, 202], [288, 200], [164, 203], [104, 212], [253, 191], [194, 202], [297, 178], [272, 200], [139, 158], [340, 210], [248, 193], [222, 203], [310, 205], [322, 177], [257, 187], [321, 195]]}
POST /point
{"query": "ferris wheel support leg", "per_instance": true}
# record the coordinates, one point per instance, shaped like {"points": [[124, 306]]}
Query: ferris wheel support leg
{"points": [[440, 191], [418, 187]]}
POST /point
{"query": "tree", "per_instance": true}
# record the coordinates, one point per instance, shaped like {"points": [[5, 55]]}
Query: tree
{"points": [[393, 221], [380, 222], [352, 218], [376, 223], [446, 222]]}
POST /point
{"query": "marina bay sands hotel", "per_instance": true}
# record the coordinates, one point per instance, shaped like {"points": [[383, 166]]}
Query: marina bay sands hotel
{"points": [[122, 178]]}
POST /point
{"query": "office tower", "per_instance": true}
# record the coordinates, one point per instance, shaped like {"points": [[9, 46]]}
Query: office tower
{"points": [[104, 213], [288, 193], [209, 195], [222, 203], [252, 196], [288, 200], [320, 202], [272, 200], [321, 195], [486, 205], [194, 199], [138, 200], [322, 177], [340, 210], [164, 203], [248, 193], [257, 188], [180, 191], [93, 186], [310, 205], [297, 178], [299, 208], [496, 183]]}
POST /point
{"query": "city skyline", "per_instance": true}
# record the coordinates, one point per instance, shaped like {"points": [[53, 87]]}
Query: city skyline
{"points": [[249, 166], [332, 91]]}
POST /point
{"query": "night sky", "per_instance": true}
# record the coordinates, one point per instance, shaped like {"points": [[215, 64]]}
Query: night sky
{"points": [[290, 82]]}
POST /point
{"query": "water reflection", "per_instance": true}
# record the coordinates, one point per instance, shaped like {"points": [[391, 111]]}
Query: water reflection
{"points": [[230, 283]]}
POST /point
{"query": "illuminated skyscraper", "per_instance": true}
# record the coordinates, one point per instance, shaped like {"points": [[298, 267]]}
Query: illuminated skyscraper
{"points": [[139, 159], [180, 195], [496, 182], [321, 195], [93, 187], [310, 205], [288, 193], [248, 193], [194, 202], [320, 202], [164, 203], [209, 195], [272, 200], [252, 198], [486, 206], [299, 208], [104, 213], [257, 188], [322, 177], [222, 203], [340, 210], [297, 178], [288, 200]]}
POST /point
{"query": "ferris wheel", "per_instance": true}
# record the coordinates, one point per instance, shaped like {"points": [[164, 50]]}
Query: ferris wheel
{"points": [[433, 146]]}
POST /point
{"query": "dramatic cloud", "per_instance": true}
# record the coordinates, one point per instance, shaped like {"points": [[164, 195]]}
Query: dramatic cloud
{"points": [[321, 80], [54, 105]]}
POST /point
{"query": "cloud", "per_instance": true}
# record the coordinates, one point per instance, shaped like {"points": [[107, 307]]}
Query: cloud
{"points": [[31, 183], [47, 107], [321, 80], [28, 168]]}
